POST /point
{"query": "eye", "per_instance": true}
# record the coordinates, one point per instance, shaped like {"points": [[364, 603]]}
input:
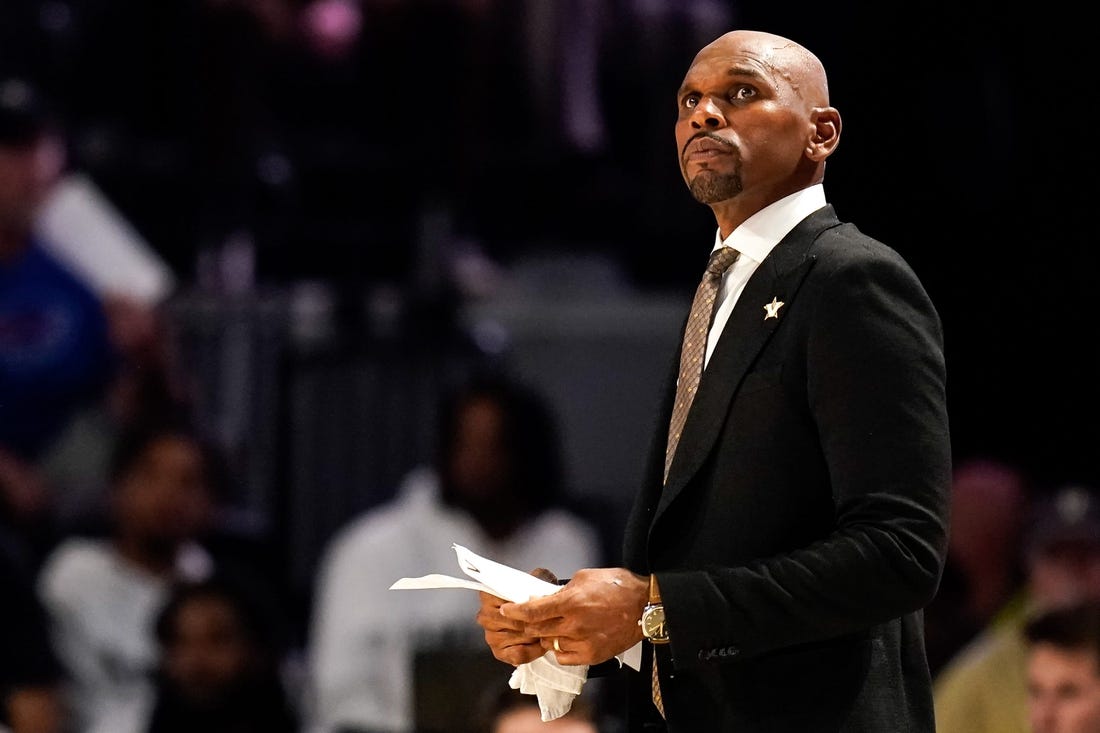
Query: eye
{"points": [[691, 101], [742, 92]]}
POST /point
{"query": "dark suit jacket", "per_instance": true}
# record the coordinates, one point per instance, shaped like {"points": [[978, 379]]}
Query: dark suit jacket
{"points": [[803, 527]]}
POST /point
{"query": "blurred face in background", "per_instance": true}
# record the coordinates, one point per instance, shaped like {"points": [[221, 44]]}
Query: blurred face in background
{"points": [[163, 498], [479, 467], [27, 172], [988, 505], [498, 456], [1064, 573], [208, 653], [528, 719], [1063, 690]]}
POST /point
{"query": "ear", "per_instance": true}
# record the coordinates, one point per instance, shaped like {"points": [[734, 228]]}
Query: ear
{"points": [[826, 134]]}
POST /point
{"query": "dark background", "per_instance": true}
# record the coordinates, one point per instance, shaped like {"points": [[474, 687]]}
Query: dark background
{"points": [[969, 145]]}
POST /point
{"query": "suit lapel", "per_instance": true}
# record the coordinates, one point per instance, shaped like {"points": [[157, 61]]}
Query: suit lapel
{"points": [[744, 336]]}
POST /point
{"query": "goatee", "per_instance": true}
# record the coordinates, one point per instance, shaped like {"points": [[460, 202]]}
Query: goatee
{"points": [[709, 187]]}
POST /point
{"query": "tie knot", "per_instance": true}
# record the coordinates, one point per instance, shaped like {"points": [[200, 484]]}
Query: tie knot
{"points": [[721, 259]]}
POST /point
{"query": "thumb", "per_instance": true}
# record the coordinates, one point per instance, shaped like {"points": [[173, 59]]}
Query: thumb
{"points": [[544, 574]]}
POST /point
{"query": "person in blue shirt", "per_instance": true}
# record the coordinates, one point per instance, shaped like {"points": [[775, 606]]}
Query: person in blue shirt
{"points": [[56, 353]]}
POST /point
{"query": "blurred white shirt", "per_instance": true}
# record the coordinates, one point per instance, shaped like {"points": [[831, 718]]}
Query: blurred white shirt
{"points": [[102, 611], [364, 637]]}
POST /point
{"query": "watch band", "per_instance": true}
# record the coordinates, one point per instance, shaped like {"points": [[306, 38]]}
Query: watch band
{"points": [[653, 615]]}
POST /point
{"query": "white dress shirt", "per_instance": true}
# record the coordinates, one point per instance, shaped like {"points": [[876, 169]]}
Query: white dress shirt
{"points": [[754, 239]]}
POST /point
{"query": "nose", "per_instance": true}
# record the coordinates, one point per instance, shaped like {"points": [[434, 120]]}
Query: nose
{"points": [[707, 115]]}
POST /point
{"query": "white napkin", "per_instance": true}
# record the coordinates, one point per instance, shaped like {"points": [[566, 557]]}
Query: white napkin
{"points": [[555, 684]]}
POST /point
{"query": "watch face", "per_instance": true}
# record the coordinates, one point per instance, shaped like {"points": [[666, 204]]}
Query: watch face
{"points": [[653, 623]]}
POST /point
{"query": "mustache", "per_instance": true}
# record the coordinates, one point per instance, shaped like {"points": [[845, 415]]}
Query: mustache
{"points": [[709, 135]]}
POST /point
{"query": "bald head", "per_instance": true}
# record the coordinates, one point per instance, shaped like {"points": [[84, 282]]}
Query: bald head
{"points": [[754, 123], [787, 60]]}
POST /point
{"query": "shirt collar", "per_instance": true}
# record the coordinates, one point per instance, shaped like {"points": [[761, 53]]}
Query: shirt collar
{"points": [[758, 234]]}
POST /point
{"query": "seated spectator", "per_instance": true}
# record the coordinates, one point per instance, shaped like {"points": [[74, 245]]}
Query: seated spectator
{"points": [[1063, 669], [145, 386], [78, 358], [496, 488], [102, 593], [983, 688], [55, 349], [983, 574], [219, 667]]}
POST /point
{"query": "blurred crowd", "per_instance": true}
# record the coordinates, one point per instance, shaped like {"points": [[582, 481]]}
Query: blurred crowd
{"points": [[132, 603], [282, 118]]}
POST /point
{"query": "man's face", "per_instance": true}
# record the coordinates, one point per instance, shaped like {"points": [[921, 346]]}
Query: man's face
{"points": [[741, 127], [1063, 690]]}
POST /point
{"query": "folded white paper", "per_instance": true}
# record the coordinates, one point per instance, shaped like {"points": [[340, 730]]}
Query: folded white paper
{"points": [[436, 580], [553, 683]]}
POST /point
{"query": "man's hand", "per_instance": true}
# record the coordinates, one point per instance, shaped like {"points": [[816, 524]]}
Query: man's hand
{"points": [[506, 637], [592, 618]]}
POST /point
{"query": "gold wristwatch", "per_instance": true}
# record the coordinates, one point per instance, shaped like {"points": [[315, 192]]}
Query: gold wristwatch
{"points": [[653, 616]]}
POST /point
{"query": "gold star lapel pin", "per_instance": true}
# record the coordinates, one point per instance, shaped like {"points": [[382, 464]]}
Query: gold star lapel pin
{"points": [[772, 308]]}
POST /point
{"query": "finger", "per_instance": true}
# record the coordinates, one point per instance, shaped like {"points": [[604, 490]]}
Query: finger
{"points": [[491, 620], [490, 607], [547, 630], [544, 574], [517, 654], [508, 639], [534, 610], [566, 650]]}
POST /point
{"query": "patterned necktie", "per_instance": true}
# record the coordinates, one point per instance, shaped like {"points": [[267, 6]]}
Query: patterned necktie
{"points": [[694, 349], [655, 685], [692, 354]]}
